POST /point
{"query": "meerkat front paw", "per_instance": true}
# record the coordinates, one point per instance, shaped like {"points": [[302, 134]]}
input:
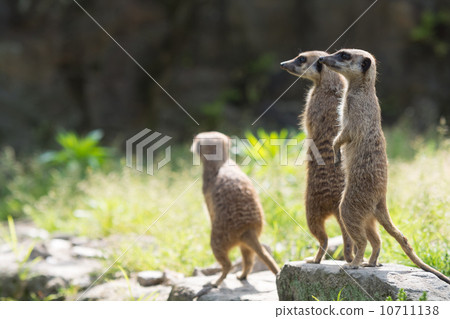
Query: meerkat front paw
{"points": [[337, 157]]}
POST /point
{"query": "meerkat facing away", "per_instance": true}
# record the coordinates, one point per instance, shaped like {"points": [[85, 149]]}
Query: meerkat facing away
{"points": [[236, 213], [364, 158], [325, 183]]}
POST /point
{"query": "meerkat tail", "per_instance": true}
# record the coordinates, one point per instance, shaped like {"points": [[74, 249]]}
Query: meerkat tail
{"points": [[386, 221], [251, 240]]}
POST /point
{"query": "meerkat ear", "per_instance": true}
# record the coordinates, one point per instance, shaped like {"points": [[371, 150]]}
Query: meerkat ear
{"points": [[318, 66], [365, 65]]}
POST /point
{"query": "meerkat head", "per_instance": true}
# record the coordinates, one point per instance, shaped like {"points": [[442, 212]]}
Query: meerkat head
{"points": [[352, 63], [305, 65], [212, 147]]}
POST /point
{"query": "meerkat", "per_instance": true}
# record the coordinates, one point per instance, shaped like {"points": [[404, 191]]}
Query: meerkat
{"points": [[364, 159], [325, 183], [235, 211]]}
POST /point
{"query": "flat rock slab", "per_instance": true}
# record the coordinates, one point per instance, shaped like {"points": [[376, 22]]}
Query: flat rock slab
{"points": [[301, 281], [123, 290], [258, 286]]}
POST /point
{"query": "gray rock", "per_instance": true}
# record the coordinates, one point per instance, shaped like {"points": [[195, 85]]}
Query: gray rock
{"points": [[74, 271], [39, 250], [258, 286], [80, 241], [59, 248], [121, 289], [302, 281], [86, 252], [150, 278], [209, 271], [62, 236]]}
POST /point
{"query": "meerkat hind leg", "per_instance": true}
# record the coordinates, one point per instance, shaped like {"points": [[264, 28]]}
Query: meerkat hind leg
{"points": [[357, 232], [223, 259], [375, 241], [347, 243], [317, 228], [248, 259]]}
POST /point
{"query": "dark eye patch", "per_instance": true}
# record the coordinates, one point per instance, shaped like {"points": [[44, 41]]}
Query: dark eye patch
{"points": [[300, 60], [345, 56]]}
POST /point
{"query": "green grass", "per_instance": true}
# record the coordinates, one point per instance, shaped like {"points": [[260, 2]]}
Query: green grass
{"points": [[122, 203]]}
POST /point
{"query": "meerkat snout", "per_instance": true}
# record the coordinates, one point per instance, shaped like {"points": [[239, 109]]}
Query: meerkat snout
{"points": [[305, 65]]}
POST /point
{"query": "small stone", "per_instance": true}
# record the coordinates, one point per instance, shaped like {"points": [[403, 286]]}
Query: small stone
{"points": [[172, 277], [86, 252], [80, 241], [150, 278], [39, 250], [37, 233], [62, 236], [211, 271], [59, 249], [58, 244]]}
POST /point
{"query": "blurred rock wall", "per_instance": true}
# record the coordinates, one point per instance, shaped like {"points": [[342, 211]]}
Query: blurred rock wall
{"points": [[219, 59]]}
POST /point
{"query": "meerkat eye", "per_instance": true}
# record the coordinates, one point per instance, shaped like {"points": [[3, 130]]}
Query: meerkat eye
{"points": [[301, 59], [345, 56]]}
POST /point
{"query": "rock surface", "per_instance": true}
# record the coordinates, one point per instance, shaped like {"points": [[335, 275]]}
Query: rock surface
{"points": [[302, 281], [126, 290], [258, 286], [54, 262]]}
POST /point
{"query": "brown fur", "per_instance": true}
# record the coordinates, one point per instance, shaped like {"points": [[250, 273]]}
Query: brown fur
{"points": [[233, 205], [364, 160], [325, 183]]}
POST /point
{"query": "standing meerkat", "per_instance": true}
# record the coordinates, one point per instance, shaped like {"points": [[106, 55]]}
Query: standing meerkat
{"points": [[325, 182], [236, 213], [364, 160]]}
